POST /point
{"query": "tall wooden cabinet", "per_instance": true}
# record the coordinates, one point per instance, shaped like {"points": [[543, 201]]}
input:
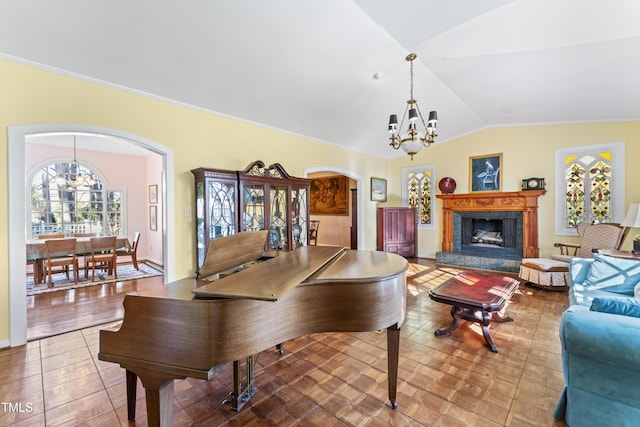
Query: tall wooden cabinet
{"points": [[256, 198], [396, 231]]}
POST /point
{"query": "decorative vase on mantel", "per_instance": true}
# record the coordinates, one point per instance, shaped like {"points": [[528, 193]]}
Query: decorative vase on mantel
{"points": [[447, 185]]}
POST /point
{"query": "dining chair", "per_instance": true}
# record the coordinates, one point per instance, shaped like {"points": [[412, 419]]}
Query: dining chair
{"points": [[131, 251], [38, 272], [61, 253], [50, 236], [82, 236], [103, 255], [314, 225]]}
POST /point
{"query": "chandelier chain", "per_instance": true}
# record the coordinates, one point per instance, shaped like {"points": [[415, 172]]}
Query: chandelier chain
{"points": [[411, 84]]}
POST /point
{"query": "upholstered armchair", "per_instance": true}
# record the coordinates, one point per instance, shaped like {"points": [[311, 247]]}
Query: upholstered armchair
{"points": [[594, 237]]}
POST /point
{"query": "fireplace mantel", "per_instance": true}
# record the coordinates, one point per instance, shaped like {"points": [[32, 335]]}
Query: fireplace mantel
{"points": [[520, 201]]}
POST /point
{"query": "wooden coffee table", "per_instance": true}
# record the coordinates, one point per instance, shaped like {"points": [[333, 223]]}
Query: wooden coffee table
{"points": [[475, 297]]}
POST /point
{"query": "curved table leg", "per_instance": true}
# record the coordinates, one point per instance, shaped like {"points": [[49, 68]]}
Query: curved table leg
{"points": [[486, 318], [481, 317], [453, 325], [497, 317]]}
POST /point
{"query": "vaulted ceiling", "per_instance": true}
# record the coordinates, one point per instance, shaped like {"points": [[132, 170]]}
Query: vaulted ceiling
{"points": [[307, 67]]}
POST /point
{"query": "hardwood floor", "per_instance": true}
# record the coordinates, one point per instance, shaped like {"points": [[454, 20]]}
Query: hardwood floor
{"points": [[332, 379], [66, 311]]}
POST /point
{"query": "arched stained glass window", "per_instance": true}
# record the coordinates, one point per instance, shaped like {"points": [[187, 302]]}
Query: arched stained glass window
{"points": [[592, 179], [575, 181], [69, 198], [600, 180], [419, 192]]}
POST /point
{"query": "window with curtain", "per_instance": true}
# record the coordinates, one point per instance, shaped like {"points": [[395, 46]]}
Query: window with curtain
{"points": [[69, 198], [418, 192], [589, 185]]}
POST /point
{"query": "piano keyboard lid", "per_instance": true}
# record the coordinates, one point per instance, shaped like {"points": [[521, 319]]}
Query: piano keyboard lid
{"points": [[271, 279]]}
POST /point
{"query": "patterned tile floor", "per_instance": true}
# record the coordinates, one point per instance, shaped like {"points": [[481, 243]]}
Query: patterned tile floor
{"points": [[334, 379]]}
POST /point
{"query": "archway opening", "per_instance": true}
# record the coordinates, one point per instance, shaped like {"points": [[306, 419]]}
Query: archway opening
{"points": [[357, 182], [18, 216]]}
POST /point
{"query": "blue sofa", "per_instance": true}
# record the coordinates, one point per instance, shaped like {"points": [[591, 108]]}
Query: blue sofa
{"points": [[600, 336]]}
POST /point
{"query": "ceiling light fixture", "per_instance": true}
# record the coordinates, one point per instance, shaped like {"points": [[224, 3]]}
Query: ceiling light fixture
{"points": [[412, 141], [74, 177]]}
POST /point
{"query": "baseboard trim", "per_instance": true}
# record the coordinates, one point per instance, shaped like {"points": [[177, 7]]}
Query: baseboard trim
{"points": [[154, 263]]}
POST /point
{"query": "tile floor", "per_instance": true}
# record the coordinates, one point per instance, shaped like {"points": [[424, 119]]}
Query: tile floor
{"points": [[333, 379]]}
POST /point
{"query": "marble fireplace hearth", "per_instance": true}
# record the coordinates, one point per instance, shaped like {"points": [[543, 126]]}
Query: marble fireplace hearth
{"points": [[514, 208]]}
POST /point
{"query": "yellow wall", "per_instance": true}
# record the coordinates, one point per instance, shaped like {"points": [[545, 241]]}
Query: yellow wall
{"points": [[527, 151], [34, 96]]}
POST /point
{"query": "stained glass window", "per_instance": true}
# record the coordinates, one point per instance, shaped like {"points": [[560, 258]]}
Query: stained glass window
{"points": [[589, 185], [588, 180], [419, 191], [575, 202]]}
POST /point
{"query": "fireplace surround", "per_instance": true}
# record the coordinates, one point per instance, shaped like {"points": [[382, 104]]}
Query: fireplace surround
{"points": [[491, 231]]}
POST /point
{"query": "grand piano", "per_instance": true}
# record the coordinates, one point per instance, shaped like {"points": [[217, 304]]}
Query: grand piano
{"points": [[191, 327]]}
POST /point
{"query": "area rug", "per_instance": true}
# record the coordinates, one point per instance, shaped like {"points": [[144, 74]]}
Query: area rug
{"points": [[61, 283]]}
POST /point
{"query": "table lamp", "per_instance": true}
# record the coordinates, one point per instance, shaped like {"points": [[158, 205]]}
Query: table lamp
{"points": [[632, 219]]}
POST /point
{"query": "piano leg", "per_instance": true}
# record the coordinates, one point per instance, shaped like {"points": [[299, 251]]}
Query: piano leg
{"points": [[132, 384], [240, 394], [160, 404], [393, 355], [158, 389]]}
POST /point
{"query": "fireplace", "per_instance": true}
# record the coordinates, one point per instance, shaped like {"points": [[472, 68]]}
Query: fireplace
{"points": [[491, 231], [498, 233]]}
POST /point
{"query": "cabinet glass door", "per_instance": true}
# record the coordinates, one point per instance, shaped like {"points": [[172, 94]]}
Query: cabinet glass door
{"points": [[299, 226], [221, 209], [200, 223], [253, 215], [278, 237]]}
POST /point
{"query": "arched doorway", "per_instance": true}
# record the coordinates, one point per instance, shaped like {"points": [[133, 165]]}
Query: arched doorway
{"points": [[359, 187], [18, 217]]}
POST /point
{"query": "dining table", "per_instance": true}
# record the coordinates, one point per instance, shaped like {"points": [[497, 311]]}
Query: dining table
{"points": [[37, 253]]}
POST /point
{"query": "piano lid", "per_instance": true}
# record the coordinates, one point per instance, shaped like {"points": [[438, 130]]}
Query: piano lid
{"points": [[266, 281]]}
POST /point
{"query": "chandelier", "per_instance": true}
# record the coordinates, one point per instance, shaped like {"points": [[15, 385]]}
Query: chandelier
{"points": [[75, 175], [413, 140]]}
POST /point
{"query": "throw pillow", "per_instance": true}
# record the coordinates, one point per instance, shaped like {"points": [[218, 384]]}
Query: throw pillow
{"points": [[622, 306], [611, 274]]}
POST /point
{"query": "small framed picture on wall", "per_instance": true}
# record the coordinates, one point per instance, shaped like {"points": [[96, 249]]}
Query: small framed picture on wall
{"points": [[378, 190], [153, 218], [153, 194]]}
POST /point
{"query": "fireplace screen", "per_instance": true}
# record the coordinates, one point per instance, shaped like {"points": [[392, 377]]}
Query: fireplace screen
{"points": [[489, 234]]}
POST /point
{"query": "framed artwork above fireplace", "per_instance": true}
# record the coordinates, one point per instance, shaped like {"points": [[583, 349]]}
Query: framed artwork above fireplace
{"points": [[485, 173]]}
